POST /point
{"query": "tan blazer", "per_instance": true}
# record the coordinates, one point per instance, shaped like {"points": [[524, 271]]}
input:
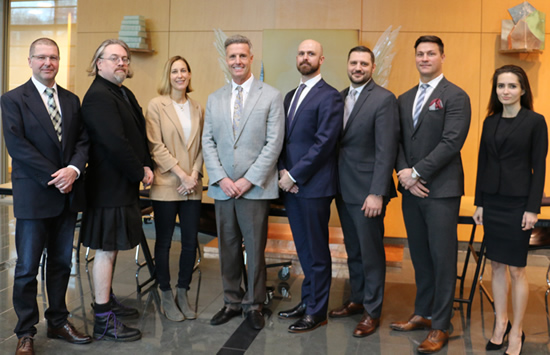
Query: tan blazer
{"points": [[168, 147]]}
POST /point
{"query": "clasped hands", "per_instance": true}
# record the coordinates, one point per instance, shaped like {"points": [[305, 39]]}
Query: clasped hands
{"points": [[188, 183], [235, 189], [63, 179], [415, 186], [286, 184]]}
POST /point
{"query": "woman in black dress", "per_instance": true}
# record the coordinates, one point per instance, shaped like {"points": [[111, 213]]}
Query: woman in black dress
{"points": [[510, 182]]}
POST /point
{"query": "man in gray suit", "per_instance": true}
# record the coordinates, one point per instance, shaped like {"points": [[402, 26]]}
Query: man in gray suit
{"points": [[242, 139], [368, 148], [435, 118]]}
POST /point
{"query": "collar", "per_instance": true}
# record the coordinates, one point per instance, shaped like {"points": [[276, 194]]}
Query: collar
{"points": [[246, 85], [360, 88], [41, 87], [432, 83], [311, 82]]}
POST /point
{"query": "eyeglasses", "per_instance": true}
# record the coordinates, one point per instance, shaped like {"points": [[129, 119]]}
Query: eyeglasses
{"points": [[115, 59], [42, 58]]}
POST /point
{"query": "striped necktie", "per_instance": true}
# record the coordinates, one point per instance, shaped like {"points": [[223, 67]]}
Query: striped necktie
{"points": [[419, 103], [54, 112]]}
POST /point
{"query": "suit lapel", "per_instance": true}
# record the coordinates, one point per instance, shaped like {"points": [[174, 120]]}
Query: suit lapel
{"points": [[226, 102], [365, 93], [408, 104], [251, 100], [436, 93], [310, 95], [170, 112], [66, 117], [39, 111], [195, 122]]}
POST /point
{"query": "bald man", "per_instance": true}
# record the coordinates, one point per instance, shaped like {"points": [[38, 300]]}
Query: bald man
{"points": [[308, 177]]}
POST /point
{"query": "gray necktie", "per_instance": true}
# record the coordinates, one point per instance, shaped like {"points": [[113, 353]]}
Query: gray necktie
{"points": [[350, 102], [54, 112], [237, 110], [419, 103]]}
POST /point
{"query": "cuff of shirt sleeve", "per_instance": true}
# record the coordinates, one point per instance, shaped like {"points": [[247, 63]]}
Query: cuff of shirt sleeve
{"points": [[291, 178], [75, 169]]}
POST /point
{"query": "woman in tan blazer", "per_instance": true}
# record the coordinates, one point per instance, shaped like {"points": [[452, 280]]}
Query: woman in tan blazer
{"points": [[174, 130]]}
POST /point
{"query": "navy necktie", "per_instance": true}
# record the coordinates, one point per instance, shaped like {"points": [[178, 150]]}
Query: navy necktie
{"points": [[292, 110]]}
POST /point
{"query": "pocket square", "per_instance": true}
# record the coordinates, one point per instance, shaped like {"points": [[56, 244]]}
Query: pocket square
{"points": [[435, 105]]}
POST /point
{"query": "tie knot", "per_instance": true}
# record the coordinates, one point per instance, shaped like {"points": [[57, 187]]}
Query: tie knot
{"points": [[424, 86], [50, 92], [352, 93], [239, 88]]}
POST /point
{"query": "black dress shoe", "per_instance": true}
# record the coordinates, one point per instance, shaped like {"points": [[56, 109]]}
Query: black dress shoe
{"points": [[492, 346], [224, 315], [296, 312], [255, 319], [307, 323], [108, 327], [69, 334]]}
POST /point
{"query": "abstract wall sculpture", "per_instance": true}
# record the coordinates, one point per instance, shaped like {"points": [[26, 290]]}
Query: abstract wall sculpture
{"points": [[525, 32]]}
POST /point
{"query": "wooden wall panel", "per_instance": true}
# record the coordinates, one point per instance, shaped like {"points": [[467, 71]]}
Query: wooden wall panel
{"points": [[422, 15], [237, 15], [317, 14], [106, 15]]}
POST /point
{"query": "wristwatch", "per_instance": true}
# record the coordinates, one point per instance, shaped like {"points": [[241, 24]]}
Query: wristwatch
{"points": [[414, 174]]}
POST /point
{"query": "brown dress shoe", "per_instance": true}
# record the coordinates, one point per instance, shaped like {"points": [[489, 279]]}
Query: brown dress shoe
{"points": [[414, 323], [435, 340], [25, 346], [366, 326], [69, 333], [346, 310]]}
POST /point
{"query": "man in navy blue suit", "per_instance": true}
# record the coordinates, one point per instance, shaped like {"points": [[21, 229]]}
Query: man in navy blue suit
{"points": [[45, 137], [308, 176]]}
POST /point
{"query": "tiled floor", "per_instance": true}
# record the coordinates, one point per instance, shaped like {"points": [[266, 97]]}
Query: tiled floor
{"points": [[161, 336]]}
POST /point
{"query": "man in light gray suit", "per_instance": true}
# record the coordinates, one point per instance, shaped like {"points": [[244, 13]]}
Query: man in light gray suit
{"points": [[367, 152], [241, 142], [435, 118]]}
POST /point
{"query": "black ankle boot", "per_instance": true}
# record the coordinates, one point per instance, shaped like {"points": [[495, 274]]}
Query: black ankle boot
{"points": [[121, 310], [107, 327]]}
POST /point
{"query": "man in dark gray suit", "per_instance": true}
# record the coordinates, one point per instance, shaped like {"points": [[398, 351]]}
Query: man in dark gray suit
{"points": [[368, 148], [242, 139], [435, 118]]}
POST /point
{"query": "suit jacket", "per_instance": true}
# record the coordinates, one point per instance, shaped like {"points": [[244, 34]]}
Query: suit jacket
{"points": [[118, 150], [169, 148], [433, 146], [368, 146], [253, 153], [309, 153], [37, 153], [517, 166]]}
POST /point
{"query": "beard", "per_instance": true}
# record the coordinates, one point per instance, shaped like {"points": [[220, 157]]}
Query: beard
{"points": [[120, 76], [307, 68], [361, 81]]}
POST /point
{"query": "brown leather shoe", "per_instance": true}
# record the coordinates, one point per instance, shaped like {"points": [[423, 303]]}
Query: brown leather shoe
{"points": [[69, 333], [346, 310], [414, 323], [435, 340], [366, 326], [25, 346]]}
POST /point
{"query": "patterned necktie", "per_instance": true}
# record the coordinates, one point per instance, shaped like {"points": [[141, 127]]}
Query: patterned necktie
{"points": [[292, 110], [419, 103], [350, 102], [237, 110], [54, 112]]}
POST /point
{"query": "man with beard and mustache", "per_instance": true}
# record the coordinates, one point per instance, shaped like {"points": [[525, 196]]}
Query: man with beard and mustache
{"points": [[308, 175], [367, 152], [241, 141], [119, 162]]}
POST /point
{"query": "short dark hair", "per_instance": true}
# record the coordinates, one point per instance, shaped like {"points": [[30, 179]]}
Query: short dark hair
{"points": [[430, 39], [43, 40], [362, 49], [526, 101]]}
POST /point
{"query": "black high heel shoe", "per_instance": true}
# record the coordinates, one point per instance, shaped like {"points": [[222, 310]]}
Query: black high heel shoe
{"points": [[492, 346], [522, 341]]}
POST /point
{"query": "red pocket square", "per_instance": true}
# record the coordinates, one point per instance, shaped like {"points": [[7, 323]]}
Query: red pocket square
{"points": [[435, 105]]}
